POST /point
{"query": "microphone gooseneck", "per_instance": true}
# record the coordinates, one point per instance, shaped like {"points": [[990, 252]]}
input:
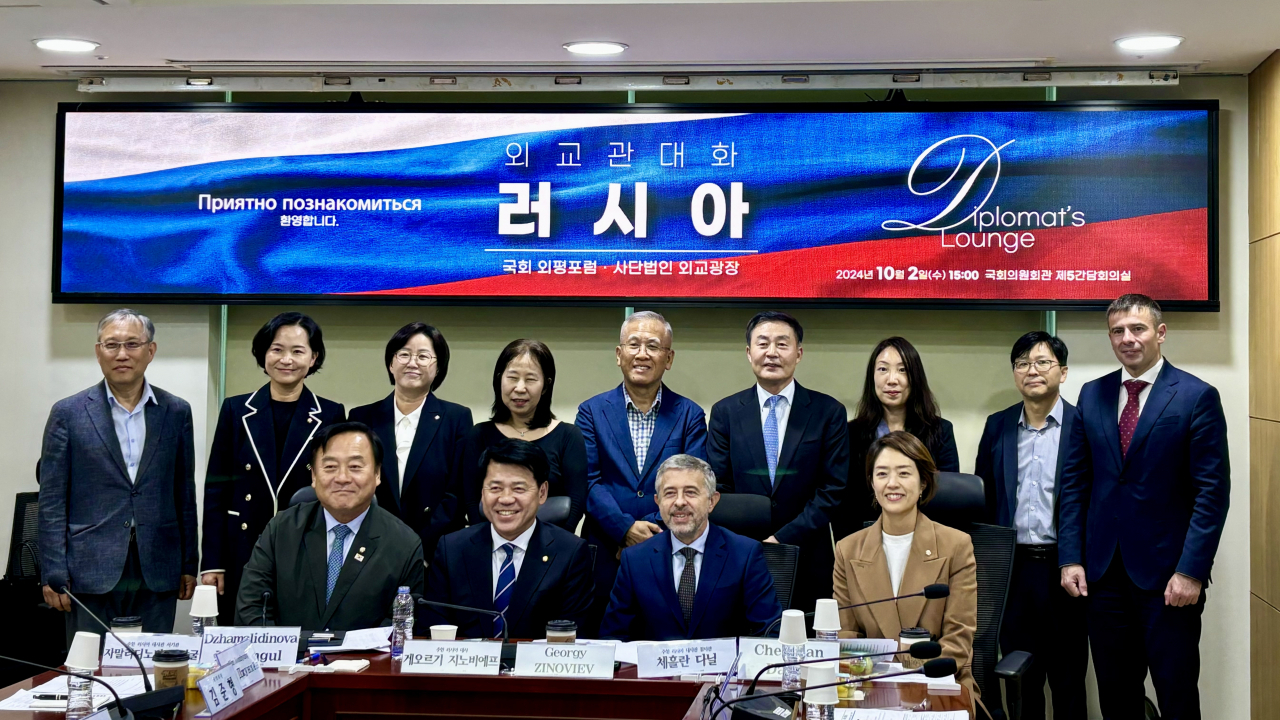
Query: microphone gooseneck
{"points": [[935, 591], [146, 677], [940, 667], [122, 712], [492, 613], [266, 597], [921, 651]]}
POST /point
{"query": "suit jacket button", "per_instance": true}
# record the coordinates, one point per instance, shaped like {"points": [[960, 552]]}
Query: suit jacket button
{"points": [[248, 497], [126, 523], [244, 526], [310, 420], [639, 493], [247, 467]]}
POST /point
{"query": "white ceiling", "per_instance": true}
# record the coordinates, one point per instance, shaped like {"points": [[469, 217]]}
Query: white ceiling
{"points": [[1228, 36]]}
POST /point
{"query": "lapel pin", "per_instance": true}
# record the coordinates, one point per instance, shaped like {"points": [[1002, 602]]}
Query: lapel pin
{"points": [[361, 549], [359, 557], [545, 558]]}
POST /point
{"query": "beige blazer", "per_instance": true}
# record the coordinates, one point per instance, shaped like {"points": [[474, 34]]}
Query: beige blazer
{"points": [[939, 554]]}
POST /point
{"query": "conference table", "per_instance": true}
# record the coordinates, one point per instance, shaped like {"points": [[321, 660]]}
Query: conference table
{"points": [[382, 692]]}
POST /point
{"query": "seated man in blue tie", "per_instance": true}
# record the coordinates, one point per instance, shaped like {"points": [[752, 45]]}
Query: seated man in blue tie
{"points": [[695, 581], [531, 572]]}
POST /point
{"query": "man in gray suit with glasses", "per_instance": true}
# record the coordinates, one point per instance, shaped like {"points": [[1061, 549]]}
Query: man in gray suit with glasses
{"points": [[117, 490]]}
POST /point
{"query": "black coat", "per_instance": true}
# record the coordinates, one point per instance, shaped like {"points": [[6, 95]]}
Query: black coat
{"points": [[429, 501], [291, 560], [243, 488]]}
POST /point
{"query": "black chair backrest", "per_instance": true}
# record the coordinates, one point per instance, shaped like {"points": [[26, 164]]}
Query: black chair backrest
{"points": [[24, 548], [959, 500], [782, 561], [555, 510], [993, 547], [746, 514], [308, 494]]}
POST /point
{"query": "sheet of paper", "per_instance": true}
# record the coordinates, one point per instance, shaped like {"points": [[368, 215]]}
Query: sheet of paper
{"points": [[125, 685], [876, 714], [867, 646], [378, 638]]}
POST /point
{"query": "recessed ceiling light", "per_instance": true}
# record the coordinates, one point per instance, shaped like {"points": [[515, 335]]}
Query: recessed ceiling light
{"points": [[594, 47], [1146, 43], [66, 45]]}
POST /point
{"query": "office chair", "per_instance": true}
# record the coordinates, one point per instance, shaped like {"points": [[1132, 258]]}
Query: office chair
{"points": [[746, 514], [782, 561], [37, 632], [555, 511]]}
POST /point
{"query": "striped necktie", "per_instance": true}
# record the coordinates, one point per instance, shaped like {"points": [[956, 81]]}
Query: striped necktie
{"points": [[502, 598]]}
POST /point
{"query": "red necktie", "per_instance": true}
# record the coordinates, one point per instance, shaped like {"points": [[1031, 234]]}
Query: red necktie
{"points": [[1129, 417]]}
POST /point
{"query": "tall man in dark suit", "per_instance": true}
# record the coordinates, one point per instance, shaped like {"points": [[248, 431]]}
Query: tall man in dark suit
{"points": [[696, 580], [789, 443], [1020, 460], [529, 571], [334, 564], [629, 431], [117, 490], [1145, 490], [423, 434]]}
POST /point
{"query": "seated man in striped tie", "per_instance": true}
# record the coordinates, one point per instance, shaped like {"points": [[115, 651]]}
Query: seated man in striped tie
{"points": [[529, 572], [696, 580]]}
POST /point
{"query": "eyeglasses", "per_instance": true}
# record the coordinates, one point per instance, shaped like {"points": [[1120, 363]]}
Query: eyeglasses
{"points": [[653, 348], [404, 356], [1041, 365], [130, 347]]}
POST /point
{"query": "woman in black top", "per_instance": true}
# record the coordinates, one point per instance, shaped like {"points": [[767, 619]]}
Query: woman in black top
{"points": [[895, 396], [258, 459], [523, 380]]}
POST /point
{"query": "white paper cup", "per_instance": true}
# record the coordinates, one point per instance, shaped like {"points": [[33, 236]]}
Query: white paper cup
{"points": [[205, 602], [84, 651], [792, 631], [444, 632], [826, 616]]}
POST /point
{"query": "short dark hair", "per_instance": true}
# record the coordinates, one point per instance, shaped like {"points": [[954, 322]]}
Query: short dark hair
{"points": [[438, 344], [320, 442], [1136, 301], [541, 354], [512, 451], [1028, 342], [267, 334], [775, 316], [909, 445]]}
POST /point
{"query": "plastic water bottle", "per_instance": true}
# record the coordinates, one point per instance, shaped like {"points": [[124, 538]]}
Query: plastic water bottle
{"points": [[791, 673], [198, 624], [79, 693], [826, 635], [401, 621]]}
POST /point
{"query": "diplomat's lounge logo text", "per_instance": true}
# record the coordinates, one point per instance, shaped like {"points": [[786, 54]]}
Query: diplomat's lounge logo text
{"points": [[964, 201]]}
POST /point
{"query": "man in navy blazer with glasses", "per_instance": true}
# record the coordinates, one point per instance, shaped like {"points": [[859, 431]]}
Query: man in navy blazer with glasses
{"points": [[629, 431], [1145, 490]]}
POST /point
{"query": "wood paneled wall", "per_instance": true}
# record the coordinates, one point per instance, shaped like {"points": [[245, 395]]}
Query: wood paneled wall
{"points": [[1264, 385]]}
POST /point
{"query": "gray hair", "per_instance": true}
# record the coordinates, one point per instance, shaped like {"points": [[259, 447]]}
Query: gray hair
{"points": [[644, 315], [1134, 302], [125, 314], [687, 462]]}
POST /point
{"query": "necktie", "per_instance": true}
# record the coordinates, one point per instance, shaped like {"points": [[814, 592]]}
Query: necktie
{"points": [[336, 556], [1129, 416], [688, 583], [771, 435], [506, 579]]}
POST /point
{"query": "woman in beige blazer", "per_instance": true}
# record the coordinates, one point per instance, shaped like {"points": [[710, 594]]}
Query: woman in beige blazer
{"points": [[902, 553]]}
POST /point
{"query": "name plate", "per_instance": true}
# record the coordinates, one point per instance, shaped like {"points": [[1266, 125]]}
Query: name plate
{"points": [[273, 647], [247, 668], [220, 688], [564, 660], [467, 657], [759, 652], [685, 657], [147, 644]]}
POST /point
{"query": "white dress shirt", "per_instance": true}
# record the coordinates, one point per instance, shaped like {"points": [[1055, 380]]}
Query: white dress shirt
{"points": [[897, 548], [782, 411], [406, 429], [131, 427], [517, 556], [330, 523], [1149, 377], [677, 560]]}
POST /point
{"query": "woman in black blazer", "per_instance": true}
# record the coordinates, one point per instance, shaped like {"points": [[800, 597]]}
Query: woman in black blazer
{"points": [[421, 436], [895, 396], [259, 454], [523, 380]]}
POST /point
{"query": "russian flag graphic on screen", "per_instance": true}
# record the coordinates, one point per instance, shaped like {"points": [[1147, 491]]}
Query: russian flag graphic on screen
{"points": [[994, 205]]}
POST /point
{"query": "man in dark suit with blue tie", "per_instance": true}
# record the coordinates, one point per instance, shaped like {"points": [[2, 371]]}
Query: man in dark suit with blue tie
{"points": [[786, 442], [530, 572], [629, 431], [1145, 491], [117, 490], [1020, 460], [696, 580]]}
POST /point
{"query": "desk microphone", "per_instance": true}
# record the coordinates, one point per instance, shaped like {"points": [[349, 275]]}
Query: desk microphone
{"points": [[266, 597], [936, 591], [146, 677], [121, 712], [926, 650], [508, 650], [769, 706]]}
